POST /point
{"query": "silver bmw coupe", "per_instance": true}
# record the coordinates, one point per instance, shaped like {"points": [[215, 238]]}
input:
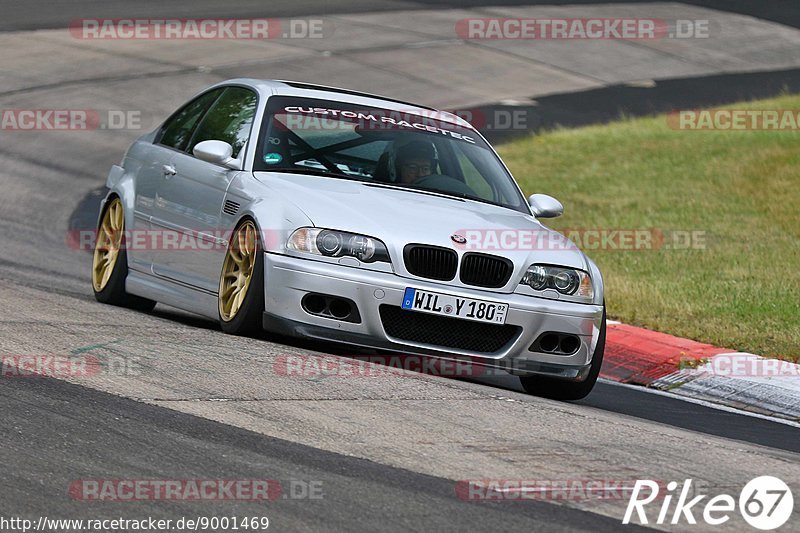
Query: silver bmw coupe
{"points": [[329, 214]]}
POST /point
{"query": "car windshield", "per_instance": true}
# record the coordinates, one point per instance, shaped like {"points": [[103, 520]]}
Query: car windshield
{"points": [[383, 147]]}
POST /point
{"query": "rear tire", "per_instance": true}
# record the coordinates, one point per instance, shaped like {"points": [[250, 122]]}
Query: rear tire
{"points": [[110, 261], [559, 389]]}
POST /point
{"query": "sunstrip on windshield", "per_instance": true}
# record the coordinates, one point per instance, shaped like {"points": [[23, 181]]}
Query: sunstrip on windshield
{"points": [[372, 120]]}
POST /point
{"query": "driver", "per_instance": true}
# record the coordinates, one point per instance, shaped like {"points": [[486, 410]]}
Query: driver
{"points": [[414, 161]]}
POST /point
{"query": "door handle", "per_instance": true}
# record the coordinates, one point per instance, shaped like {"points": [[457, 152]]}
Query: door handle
{"points": [[169, 170]]}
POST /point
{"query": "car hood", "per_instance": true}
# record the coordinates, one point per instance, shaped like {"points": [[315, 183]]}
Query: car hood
{"points": [[399, 217]]}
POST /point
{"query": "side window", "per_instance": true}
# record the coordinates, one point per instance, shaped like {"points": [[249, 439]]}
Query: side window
{"points": [[229, 119], [178, 129]]}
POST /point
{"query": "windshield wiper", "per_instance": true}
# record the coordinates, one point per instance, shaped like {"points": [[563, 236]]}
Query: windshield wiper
{"points": [[315, 172], [460, 196], [421, 190]]}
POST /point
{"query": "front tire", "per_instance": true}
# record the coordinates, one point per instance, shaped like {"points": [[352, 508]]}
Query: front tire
{"points": [[110, 261], [559, 389], [241, 283]]}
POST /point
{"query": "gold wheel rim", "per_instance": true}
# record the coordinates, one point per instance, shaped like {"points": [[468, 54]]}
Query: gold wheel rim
{"points": [[107, 245], [237, 271]]}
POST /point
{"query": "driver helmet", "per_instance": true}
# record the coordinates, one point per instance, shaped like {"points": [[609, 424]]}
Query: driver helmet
{"points": [[411, 150]]}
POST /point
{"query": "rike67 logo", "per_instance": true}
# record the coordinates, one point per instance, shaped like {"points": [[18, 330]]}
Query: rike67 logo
{"points": [[765, 503]]}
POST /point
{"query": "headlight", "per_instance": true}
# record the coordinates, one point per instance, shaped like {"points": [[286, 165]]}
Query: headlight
{"points": [[567, 281], [332, 243]]}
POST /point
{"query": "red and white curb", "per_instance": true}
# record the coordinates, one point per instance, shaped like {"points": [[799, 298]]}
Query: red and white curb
{"points": [[701, 371]]}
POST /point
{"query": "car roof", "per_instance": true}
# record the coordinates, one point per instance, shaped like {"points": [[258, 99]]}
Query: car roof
{"points": [[309, 90]]}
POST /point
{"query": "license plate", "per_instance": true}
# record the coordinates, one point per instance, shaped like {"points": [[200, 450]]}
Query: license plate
{"points": [[448, 305]]}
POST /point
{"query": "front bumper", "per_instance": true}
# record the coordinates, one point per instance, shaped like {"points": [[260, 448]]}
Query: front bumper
{"points": [[288, 279]]}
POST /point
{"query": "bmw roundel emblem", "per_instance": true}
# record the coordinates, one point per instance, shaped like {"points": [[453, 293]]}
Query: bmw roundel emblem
{"points": [[458, 239]]}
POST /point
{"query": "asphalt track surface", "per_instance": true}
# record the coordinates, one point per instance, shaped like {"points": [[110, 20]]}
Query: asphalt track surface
{"points": [[107, 435], [202, 405]]}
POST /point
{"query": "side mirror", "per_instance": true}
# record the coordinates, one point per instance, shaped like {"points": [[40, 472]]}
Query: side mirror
{"points": [[216, 152], [544, 206]]}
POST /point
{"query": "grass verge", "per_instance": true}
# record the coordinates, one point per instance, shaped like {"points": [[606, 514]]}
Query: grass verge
{"points": [[737, 285]]}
